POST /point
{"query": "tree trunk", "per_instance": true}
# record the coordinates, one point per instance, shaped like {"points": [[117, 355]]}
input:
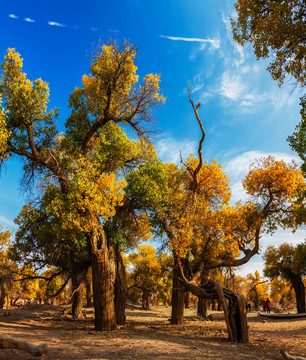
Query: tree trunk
{"points": [[202, 308], [202, 303], [2, 294], [213, 305], [187, 299], [120, 289], [146, 300], [77, 282], [299, 290], [234, 312], [88, 289], [178, 299], [103, 276]]}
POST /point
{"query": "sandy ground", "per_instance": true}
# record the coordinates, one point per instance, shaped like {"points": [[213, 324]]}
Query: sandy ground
{"points": [[148, 335]]}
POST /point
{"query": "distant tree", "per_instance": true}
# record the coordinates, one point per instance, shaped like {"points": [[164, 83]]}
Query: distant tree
{"points": [[146, 272], [288, 262], [276, 29], [257, 289], [281, 291], [8, 268]]}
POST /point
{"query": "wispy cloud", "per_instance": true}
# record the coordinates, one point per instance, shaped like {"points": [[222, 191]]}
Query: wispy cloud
{"points": [[13, 16], [168, 149], [54, 23], [215, 43], [29, 20], [4, 220]]}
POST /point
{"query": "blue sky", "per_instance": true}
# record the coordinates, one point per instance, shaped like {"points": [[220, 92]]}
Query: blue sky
{"points": [[245, 114]]}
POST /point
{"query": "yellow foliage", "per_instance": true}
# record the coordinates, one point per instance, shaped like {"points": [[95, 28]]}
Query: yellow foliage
{"points": [[269, 177]]}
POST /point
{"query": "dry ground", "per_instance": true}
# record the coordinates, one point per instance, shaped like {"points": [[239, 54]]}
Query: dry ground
{"points": [[148, 335]]}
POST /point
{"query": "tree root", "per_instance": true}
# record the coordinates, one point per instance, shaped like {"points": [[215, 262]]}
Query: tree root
{"points": [[9, 342], [290, 357]]}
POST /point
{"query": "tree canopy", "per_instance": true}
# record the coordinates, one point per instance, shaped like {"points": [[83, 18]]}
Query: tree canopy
{"points": [[276, 29], [289, 262]]}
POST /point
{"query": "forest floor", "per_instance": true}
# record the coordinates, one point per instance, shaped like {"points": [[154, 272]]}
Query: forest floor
{"points": [[148, 335]]}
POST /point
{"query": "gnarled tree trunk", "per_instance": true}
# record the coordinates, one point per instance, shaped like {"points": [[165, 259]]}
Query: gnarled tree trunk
{"points": [[234, 307], [103, 276]]}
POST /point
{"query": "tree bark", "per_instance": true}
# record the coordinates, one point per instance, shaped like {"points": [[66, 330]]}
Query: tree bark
{"points": [[187, 299], [178, 299], [120, 289], [234, 312], [299, 290], [202, 308], [103, 275], [88, 290], [2, 294], [77, 282]]}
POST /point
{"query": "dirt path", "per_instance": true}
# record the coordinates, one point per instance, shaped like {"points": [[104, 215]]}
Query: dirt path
{"points": [[149, 335]]}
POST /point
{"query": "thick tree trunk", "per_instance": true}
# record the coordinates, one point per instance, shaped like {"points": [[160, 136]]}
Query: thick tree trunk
{"points": [[77, 282], [178, 299], [234, 312], [299, 290], [202, 308], [202, 303], [103, 276], [120, 289]]}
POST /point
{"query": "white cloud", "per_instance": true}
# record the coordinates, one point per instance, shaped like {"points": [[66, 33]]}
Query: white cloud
{"points": [[168, 149], [29, 20], [215, 43], [232, 86], [54, 23], [13, 16], [6, 221]]}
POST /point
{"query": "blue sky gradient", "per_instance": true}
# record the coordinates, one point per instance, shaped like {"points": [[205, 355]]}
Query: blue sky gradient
{"points": [[245, 114]]}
